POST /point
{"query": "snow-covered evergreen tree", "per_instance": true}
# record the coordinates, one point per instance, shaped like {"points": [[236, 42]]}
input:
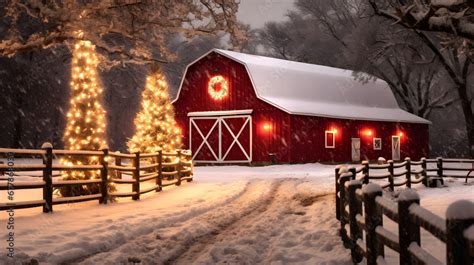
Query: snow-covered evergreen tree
{"points": [[86, 124], [155, 126]]}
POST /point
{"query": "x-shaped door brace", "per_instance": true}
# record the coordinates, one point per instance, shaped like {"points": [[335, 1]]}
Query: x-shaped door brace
{"points": [[236, 139], [218, 122], [204, 138]]}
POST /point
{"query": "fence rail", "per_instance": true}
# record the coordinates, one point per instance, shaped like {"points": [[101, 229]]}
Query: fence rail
{"points": [[166, 168], [430, 171], [361, 208]]}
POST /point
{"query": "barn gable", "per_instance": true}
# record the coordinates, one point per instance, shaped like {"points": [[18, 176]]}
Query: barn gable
{"points": [[313, 90]]}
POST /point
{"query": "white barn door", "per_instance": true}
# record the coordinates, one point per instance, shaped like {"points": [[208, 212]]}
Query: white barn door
{"points": [[221, 139], [355, 149], [395, 148]]}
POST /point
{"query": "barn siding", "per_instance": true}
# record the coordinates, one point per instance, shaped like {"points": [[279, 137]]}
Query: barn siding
{"points": [[308, 144], [293, 138]]}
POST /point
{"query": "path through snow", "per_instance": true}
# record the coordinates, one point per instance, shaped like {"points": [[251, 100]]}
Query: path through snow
{"points": [[228, 215]]}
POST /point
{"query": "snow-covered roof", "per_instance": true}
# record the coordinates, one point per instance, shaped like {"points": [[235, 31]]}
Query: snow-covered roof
{"points": [[314, 90]]}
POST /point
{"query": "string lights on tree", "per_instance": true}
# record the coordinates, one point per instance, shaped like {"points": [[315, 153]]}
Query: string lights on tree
{"points": [[155, 125], [86, 123]]}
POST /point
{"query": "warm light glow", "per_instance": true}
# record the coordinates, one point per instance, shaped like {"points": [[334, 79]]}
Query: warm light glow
{"points": [[368, 132], [85, 128], [218, 87], [267, 126], [155, 126], [400, 134], [334, 130]]}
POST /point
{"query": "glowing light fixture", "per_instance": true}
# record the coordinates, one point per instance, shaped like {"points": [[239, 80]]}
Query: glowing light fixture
{"points": [[267, 126]]}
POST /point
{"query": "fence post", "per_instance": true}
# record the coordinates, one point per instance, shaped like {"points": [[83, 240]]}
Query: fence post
{"points": [[373, 218], [48, 177], [459, 216], [104, 172], [424, 172], [118, 162], [353, 171], [390, 178], [355, 208], [178, 167], [159, 179], [408, 174], [439, 164], [342, 206], [366, 171], [408, 231], [136, 176], [336, 174], [189, 155]]}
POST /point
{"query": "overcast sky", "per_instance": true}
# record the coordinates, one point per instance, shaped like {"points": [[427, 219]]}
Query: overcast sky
{"points": [[257, 12]]}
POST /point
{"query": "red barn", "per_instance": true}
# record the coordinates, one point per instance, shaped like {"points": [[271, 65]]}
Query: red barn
{"points": [[240, 108]]}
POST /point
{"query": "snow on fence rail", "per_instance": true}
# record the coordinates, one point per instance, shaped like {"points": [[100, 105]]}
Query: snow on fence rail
{"points": [[165, 168], [430, 171], [361, 209]]}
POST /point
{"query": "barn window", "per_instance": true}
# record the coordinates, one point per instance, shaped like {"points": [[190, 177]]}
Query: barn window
{"points": [[330, 139], [377, 143]]}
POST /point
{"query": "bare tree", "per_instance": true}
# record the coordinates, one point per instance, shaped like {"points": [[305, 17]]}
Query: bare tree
{"points": [[458, 67], [453, 52], [276, 38], [127, 31], [337, 17], [400, 58], [359, 42], [298, 39]]}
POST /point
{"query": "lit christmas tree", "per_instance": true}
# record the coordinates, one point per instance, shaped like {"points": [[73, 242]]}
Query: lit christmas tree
{"points": [[155, 126], [85, 129]]}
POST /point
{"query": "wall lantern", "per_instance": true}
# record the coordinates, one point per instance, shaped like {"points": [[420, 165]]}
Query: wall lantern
{"points": [[267, 127], [368, 132], [400, 134], [218, 87]]}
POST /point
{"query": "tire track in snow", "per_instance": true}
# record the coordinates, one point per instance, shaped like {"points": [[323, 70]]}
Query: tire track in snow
{"points": [[190, 217], [194, 248], [145, 225]]}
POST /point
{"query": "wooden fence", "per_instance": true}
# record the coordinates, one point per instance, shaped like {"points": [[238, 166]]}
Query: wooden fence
{"points": [[408, 172], [164, 168], [360, 211]]}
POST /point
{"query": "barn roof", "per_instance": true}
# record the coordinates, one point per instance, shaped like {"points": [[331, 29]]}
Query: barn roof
{"points": [[314, 90]]}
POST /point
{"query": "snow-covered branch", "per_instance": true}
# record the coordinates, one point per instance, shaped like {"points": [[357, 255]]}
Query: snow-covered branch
{"points": [[126, 31], [450, 16]]}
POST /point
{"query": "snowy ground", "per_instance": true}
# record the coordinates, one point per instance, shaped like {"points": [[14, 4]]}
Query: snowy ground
{"points": [[228, 215]]}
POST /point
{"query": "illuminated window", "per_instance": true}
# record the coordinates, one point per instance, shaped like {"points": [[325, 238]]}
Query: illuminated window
{"points": [[330, 139]]}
